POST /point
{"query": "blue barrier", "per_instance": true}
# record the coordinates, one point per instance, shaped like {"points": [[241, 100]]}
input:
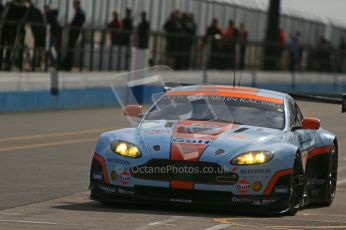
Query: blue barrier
{"points": [[103, 97]]}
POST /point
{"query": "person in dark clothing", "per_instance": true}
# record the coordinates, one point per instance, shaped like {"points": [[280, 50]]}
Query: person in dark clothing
{"points": [[126, 41], [341, 55], [189, 31], [115, 27], [243, 34], [229, 40], [38, 27], [294, 49], [73, 35], [127, 27], [213, 34], [173, 29], [143, 32], [55, 35], [12, 30]]}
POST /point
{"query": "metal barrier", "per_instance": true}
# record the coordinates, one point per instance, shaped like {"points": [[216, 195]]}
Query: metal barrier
{"points": [[95, 51]]}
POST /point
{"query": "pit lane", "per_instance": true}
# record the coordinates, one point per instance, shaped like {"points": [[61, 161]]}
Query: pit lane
{"points": [[44, 166]]}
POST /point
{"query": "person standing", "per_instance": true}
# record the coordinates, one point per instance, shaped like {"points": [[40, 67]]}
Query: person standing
{"points": [[213, 34], [115, 29], [73, 35], [38, 28], [127, 32], [229, 39], [12, 30], [243, 35], [143, 32], [55, 35]]}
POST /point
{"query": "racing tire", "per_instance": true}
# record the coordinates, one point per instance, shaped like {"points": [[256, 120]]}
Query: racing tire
{"points": [[330, 176], [296, 188]]}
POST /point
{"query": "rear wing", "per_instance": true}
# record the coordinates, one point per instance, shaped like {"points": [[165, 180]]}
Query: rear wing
{"points": [[329, 99]]}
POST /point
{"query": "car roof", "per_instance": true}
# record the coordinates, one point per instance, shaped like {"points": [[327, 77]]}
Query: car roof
{"points": [[230, 91]]}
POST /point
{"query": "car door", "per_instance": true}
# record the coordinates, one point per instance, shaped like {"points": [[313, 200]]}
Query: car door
{"points": [[306, 137]]}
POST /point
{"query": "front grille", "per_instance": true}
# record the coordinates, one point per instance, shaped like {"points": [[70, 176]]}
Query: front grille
{"points": [[157, 193], [187, 171]]}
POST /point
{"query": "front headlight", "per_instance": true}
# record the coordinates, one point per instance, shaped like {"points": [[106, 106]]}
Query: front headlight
{"points": [[252, 158], [125, 149]]}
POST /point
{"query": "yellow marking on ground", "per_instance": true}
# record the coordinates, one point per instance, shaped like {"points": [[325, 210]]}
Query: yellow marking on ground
{"points": [[57, 134], [43, 145]]}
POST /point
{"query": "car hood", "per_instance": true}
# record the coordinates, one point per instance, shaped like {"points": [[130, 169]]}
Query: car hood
{"points": [[202, 140]]}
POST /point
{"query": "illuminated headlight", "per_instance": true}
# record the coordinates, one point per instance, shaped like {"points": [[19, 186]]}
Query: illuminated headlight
{"points": [[125, 149], [252, 158]]}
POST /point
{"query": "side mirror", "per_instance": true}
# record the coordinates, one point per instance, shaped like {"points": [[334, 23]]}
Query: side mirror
{"points": [[311, 123], [133, 111]]}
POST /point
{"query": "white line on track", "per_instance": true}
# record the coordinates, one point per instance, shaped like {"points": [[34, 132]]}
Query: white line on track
{"points": [[160, 223], [28, 222], [218, 226]]}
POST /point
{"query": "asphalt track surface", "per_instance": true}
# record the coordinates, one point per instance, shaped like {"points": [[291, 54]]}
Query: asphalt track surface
{"points": [[44, 172]]}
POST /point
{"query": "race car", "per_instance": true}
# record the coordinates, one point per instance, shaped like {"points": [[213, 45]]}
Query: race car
{"points": [[234, 147]]}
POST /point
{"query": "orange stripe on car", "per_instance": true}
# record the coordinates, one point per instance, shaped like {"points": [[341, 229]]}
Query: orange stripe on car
{"points": [[103, 165], [275, 178], [321, 150], [224, 94], [236, 89], [181, 185]]}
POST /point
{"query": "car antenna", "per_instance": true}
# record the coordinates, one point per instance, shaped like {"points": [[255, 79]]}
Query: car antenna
{"points": [[234, 71], [239, 78]]}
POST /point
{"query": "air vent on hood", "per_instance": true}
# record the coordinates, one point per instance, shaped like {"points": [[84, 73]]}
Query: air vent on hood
{"points": [[169, 124], [240, 130]]}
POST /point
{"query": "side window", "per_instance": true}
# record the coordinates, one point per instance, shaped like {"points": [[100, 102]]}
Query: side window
{"points": [[295, 115], [292, 113], [299, 115]]}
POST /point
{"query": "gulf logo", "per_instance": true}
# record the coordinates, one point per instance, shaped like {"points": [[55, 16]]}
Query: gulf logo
{"points": [[243, 186], [125, 178]]}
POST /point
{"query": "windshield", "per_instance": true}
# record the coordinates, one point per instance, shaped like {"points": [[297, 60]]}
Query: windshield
{"points": [[220, 109]]}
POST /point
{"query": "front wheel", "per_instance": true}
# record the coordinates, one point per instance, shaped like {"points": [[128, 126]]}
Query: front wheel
{"points": [[331, 179], [296, 189]]}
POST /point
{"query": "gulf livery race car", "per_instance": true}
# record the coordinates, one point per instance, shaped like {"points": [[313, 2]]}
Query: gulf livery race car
{"points": [[224, 146]]}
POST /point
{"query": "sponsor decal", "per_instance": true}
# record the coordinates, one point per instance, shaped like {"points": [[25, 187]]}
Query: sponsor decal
{"points": [[180, 200], [114, 175], [238, 137], [243, 186], [191, 141], [119, 169], [118, 161], [259, 202], [125, 192], [255, 171], [257, 186], [107, 189], [125, 178], [243, 200], [281, 189]]}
